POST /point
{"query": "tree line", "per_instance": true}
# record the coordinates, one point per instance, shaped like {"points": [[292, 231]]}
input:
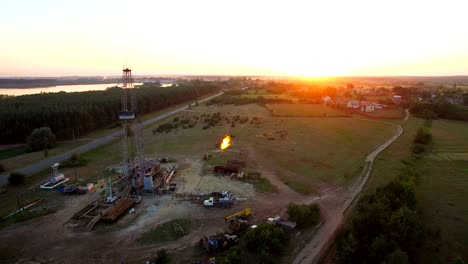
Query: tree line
{"points": [[439, 109], [82, 112]]}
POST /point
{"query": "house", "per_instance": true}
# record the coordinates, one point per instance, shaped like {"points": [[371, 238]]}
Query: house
{"points": [[353, 104], [380, 106], [367, 107], [396, 99], [326, 99]]}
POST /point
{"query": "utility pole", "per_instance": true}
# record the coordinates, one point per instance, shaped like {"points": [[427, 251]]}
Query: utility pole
{"points": [[73, 133], [18, 203]]}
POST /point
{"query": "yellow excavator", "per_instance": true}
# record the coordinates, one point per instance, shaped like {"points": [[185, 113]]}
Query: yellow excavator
{"points": [[238, 221]]}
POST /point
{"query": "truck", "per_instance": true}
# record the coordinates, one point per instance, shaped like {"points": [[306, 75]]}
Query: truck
{"points": [[284, 223], [218, 242], [221, 202], [238, 221], [241, 214], [72, 189]]}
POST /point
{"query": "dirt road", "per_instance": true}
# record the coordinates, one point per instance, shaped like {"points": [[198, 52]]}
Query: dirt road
{"points": [[312, 251], [44, 164]]}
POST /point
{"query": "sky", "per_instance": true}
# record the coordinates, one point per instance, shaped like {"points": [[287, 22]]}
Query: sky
{"points": [[204, 37]]}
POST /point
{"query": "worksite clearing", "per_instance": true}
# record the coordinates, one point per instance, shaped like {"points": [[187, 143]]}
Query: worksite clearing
{"points": [[271, 162]]}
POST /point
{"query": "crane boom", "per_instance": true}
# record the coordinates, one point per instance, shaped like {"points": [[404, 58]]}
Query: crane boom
{"points": [[245, 212]]}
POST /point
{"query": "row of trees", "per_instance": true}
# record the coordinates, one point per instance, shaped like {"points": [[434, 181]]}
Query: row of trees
{"points": [[82, 112], [238, 100], [441, 109]]}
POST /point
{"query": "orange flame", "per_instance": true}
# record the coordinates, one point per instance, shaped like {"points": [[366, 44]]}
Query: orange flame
{"points": [[226, 143]]}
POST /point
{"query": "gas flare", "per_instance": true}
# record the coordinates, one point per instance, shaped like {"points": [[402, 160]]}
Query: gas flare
{"points": [[226, 143]]}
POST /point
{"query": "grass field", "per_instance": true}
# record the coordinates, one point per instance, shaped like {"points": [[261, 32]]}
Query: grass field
{"points": [[387, 113], [320, 150], [25, 158], [442, 190], [315, 150], [269, 96], [11, 152], [304, 110], [243, 110], [388, 164]]}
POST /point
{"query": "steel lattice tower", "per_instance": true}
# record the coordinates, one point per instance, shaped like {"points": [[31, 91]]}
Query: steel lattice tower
{"points": [[132, 166]]}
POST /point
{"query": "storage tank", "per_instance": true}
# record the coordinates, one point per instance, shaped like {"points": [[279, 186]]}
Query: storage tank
{"points": [[57, 178]]}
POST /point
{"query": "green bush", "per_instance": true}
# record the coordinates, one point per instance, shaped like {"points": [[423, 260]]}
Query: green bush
{"points": [[267, 239], [74, 161], [418, 148], [16, 178], [423, 136], [428, 114], [162, 257], [233, 256], [41, 138], [304, 215]]}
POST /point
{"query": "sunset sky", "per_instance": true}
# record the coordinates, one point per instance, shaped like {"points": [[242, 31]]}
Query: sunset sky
{"points": [[300, 38]]}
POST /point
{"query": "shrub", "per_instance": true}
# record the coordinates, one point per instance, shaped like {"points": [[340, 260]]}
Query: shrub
{"points": [[74, 161], [41, 138], [162, 257], [398, 257], [423, 136], [233, 256], [428, 114], [418, 148], [267, 239], [304, 215], [16, 178]]}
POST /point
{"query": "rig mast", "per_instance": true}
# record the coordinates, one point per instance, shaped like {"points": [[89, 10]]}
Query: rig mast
{"points": [[133, 168]]}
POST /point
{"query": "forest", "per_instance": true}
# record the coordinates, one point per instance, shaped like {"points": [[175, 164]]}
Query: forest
{"points": [[82, 112]]}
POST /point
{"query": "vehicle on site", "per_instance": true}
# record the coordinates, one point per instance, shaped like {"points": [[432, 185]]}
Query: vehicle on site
{"points": [[207, 156], [243, 213], [218, 202], [73, 189], [284, 223], [239, 221], [218, 242]]}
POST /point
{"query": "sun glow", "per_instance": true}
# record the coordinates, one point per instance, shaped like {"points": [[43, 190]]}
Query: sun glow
{"points": [[299, 38]]}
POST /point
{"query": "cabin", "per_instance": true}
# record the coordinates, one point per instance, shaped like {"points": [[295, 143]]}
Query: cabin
{"points": [[396, 99], [367, 107], [326, 99], [353, 104]]}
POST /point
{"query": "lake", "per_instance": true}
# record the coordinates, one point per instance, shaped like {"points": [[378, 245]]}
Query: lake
{"points": [[56, 89]]}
